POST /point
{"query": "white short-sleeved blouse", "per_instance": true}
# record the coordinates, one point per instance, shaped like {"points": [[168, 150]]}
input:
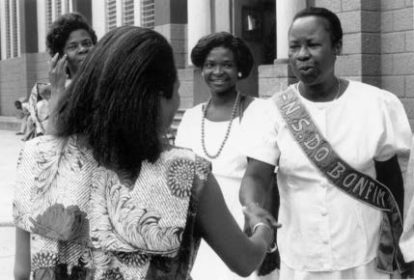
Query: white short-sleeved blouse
{"points": [[323, 228]]}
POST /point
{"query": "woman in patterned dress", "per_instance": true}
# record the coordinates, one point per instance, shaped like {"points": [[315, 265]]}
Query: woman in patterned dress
{"points": [[106, 197]]}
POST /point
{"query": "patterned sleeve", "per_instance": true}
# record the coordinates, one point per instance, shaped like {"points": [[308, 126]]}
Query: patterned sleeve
{"points": [[202, 171], [396, 136], [33, 100], [180, 266], [22, 188], [37, 167], [259, 132]]}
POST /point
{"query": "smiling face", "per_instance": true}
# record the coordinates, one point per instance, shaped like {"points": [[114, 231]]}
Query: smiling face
{"points": [[311, 52], [220, 70], [77, 47]]}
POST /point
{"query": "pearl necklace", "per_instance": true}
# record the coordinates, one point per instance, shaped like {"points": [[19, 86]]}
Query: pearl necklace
{"points": [[233, 115], [337, 93]]}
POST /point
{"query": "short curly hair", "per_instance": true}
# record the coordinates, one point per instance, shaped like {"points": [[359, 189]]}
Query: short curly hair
{"points": [[242, 54], [61, 28], [334, 24]]}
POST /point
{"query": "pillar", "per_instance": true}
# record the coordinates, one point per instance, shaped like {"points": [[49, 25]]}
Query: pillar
{"points": [[285, 11], [199, 22]]}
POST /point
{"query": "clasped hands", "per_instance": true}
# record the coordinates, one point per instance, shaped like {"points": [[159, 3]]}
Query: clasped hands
{"points": [[256, 217]]}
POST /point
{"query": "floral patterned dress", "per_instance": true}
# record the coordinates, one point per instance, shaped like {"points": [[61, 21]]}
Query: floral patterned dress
{"points": [[85, 223]]}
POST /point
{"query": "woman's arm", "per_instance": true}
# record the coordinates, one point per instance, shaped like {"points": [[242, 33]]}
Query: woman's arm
{"points": [[22, 256], [256, 183], [57, 79], [218, 227]]}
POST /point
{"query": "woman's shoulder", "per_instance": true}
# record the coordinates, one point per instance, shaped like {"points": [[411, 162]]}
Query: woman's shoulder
{"points": [[372, 95], [48, 143], [260, 107], [196, 110], [48, 150], [384, 107], [177, 153], [188, 160]]}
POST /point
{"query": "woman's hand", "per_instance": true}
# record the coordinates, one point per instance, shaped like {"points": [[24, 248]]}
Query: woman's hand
{"points": [[57, 72], [57, 79]]}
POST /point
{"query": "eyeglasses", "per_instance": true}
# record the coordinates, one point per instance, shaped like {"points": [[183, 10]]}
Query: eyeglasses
{"points": [[73, 46]]}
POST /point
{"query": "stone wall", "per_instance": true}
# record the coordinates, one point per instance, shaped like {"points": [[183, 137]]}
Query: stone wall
{"points": [[397, 55], [176, 34], [17, 77]]}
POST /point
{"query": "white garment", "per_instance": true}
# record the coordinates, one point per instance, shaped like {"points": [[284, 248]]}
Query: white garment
{"points": [[407, 238], [228, 169], [324, 229], [365, 271]]}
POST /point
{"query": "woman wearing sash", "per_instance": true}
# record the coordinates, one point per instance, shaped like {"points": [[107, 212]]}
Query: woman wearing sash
{"points": [[328, 138], [107, 197], [212, 130]]}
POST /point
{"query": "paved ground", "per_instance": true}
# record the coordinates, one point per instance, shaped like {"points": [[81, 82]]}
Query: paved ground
{"points": [[10, 145]]}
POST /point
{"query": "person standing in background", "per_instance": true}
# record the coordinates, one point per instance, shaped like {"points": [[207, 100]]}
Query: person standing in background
{"points": [[69, 40]]}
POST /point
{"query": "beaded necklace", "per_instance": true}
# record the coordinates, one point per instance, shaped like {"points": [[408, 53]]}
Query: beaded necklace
{"points": [[233, 115]]}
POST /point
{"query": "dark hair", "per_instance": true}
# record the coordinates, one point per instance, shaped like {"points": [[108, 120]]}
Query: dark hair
{"points": [[114, 98], [61, 28], [334, 28], [242, 55]]}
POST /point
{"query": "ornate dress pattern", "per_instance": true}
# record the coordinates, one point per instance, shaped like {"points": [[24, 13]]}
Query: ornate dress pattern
{"points": [[85, 223]]}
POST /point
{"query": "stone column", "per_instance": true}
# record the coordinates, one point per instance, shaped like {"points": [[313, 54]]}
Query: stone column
{"points": [[276, 77], [285, 11], [199, 22]]}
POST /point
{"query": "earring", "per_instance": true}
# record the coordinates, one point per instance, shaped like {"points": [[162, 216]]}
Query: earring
{"points": [[239, 74]]}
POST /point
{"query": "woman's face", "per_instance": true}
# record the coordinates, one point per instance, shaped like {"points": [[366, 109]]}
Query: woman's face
{"points": [[169, 107], [220, 70], [77, 47], [311, 53]]}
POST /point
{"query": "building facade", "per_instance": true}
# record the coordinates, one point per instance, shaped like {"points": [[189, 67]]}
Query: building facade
{"points": [[378, 39]]}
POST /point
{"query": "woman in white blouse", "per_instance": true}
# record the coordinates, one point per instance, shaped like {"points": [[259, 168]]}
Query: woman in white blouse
{"points": [[212, 129], [326, 233]]}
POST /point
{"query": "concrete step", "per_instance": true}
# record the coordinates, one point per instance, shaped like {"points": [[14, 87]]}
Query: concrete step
{"points": [[177, 119], [9, 123]]}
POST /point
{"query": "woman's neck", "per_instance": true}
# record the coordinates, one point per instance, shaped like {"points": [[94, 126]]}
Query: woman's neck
{"points": [[221, 106], [72, 71], [225, 98], [322, 92]]}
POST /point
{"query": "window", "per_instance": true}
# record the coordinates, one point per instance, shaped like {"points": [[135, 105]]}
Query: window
{"points": [[147, 13], [128, 12], [110, 14]]}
